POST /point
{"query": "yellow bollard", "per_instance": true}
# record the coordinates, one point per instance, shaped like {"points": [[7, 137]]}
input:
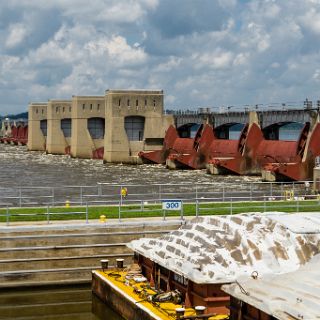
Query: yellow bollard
{"points": [[103, 219], [124, 192], [67, 204]]}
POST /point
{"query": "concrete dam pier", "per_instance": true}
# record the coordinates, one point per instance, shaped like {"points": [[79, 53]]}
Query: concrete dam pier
{"points": [[113, 127]]}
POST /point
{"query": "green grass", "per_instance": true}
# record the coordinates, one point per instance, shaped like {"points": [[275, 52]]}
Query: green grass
{"points": [[133, 211]]}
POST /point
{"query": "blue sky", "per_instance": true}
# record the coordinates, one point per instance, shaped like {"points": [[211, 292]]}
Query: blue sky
{"points": [[200, 52]]}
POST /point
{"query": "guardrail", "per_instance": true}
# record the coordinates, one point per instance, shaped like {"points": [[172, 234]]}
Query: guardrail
{"points": [[111, 193], [155, 208], [44, 216], [197, 199]]}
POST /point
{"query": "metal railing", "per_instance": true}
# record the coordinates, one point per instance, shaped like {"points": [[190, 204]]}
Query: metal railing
{"points": [[103, 193], [205, 198]]}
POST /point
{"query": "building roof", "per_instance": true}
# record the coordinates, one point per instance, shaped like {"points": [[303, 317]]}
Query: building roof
{"points": [[295, 295], [219, 249]]}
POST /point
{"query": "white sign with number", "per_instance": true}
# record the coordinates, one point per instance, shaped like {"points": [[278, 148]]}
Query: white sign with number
{"points": [[171, 204]]}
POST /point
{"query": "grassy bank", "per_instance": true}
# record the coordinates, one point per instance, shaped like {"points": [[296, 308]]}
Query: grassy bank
{"points": [[133, 211]]}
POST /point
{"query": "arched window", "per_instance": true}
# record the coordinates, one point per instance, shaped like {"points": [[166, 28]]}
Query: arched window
{"points": [[134, 126], [96, 127], [43, 127], [66, 127]]}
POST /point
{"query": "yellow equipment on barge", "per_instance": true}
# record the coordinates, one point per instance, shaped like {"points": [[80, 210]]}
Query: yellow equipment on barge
{"points": [[133, 298]]}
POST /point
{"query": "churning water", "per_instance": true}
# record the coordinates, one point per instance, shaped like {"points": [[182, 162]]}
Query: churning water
{"points": [[20, 167]]}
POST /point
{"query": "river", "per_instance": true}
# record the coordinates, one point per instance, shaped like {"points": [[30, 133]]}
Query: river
{"points": [[22, 168]]}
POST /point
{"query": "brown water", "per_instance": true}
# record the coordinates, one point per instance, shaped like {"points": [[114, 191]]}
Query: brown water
{"points": [[60, 303], [22, 168]]}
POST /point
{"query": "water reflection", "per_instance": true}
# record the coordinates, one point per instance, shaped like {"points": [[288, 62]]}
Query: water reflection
{"points": [[56, 303]]}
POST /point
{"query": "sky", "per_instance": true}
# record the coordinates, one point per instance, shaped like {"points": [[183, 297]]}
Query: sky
{"points": [[202, 53]]}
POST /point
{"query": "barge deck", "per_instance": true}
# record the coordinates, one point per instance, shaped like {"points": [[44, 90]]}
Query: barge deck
{"points": [[133, 299]]}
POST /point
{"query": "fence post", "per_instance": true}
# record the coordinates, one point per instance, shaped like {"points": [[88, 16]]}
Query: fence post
{"points": [[196, 192], [20, 196], [231, 209], [223, 193], [197, 208], [164, 215], [160, 196], [52, 194], [120, 195], [181, 211], [87, 213], [48, 215], [297, 204], [293, 189], [271, 190], [142, 206], [264, 204], [8, 216], [119, 217], [81, 195]]}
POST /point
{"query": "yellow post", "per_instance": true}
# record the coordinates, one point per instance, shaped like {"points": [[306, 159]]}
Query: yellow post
{"points": [[103, 218], [124, 192], [67, 204]]}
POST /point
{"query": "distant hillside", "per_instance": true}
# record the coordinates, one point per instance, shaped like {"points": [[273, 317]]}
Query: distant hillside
{"points": [[23, 115]]}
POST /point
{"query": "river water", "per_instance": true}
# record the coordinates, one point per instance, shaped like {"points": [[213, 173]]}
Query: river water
{"points": [[22, 168]]}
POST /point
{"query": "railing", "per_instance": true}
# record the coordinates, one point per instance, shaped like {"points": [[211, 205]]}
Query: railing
{"points": [[104, 193], [152, 207], [48, 215]]}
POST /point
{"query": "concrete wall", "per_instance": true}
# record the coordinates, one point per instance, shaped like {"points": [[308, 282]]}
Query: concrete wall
{"points": [[36, 139], [84, 108], [56, 111], [124, 103], [113, 108]]}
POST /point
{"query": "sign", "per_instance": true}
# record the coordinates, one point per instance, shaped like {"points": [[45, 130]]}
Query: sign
{"points": [[171, 204]]}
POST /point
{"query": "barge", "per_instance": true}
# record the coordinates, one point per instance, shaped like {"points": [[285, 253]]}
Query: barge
{"points": [[206, 253]]}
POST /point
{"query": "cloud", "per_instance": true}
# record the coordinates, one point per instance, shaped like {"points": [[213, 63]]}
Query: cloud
{"points": [[202, 53], [17, 33]]}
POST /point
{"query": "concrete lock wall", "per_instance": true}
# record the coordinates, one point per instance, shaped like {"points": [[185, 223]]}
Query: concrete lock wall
{"points": [[57, 110], [36, 138], [84, 108], [146, 104]]}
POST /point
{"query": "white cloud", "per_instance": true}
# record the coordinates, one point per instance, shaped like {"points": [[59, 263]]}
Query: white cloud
{"points": [[17, 33], [122, 54], [259, 50], [311, 20]]}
